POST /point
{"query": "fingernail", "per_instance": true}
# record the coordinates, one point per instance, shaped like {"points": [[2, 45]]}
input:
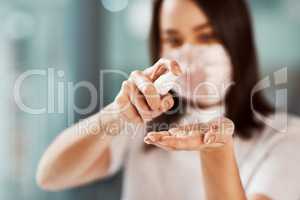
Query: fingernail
{"points": [[152, 138], [177, 70], [212, 139], [209, 141], [165, 105], [148, 141]]}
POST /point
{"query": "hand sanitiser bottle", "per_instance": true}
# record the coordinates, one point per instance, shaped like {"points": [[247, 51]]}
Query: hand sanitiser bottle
{"points": [[165, 83]]}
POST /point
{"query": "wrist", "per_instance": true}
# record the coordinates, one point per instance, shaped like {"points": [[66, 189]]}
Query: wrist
{"points": [[226, 148], [110, 120]]}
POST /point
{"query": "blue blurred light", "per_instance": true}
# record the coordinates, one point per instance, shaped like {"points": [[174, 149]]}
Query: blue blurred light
{"points": [[115, 5]]}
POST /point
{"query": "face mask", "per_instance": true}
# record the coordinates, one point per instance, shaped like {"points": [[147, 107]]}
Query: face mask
{"points": [[207, 73]]}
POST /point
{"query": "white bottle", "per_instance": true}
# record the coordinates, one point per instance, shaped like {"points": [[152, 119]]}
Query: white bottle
{"points": [[165, 83]]}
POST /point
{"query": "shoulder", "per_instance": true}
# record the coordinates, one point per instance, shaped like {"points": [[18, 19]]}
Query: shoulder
{"points": [[285, 127], [276, 168], [277, 127], [277, 142], [282, 132], [288, 146]]}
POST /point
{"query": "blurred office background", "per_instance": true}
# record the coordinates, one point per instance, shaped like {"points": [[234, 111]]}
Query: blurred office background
{"points": [[73, 40]]}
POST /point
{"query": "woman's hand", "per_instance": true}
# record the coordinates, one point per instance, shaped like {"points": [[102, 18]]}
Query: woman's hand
{"points": [[192, 137], [219, 169], [138, 100]]}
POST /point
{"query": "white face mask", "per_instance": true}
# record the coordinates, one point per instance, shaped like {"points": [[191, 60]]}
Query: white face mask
{"points": [[207, 73]]}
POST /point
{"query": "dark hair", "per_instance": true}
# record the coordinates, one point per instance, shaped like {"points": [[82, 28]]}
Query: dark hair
{"points": [[231, 22]]}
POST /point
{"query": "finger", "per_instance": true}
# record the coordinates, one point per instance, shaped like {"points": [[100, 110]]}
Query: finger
{"points": [[222, 125], [155, 71], [161, 67], [182, 142], [163, 147], [220, 131], [147, 88], [154, 137], [122, 99], [214, 140], [190, 130], [171, 65], [167, 102], [132, 115], [123, 103], [139, 101]]}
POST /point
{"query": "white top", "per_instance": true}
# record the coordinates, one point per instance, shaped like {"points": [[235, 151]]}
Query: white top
{"points": [[269, 164]]}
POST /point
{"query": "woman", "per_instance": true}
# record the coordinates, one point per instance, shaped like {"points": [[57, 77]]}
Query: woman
{"points": [[212, 43]]}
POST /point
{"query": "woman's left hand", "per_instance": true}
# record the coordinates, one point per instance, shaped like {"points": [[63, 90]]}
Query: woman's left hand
{"points": [[194, 137]]}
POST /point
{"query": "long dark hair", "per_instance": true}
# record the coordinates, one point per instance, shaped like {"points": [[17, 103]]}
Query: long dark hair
{"points": [[231, 22]]}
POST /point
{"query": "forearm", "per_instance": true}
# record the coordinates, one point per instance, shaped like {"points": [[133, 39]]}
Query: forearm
{"points": [[221, 174], [69, 158]]}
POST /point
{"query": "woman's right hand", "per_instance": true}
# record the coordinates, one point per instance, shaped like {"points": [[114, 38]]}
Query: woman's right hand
{"points": [[138, 100]]}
